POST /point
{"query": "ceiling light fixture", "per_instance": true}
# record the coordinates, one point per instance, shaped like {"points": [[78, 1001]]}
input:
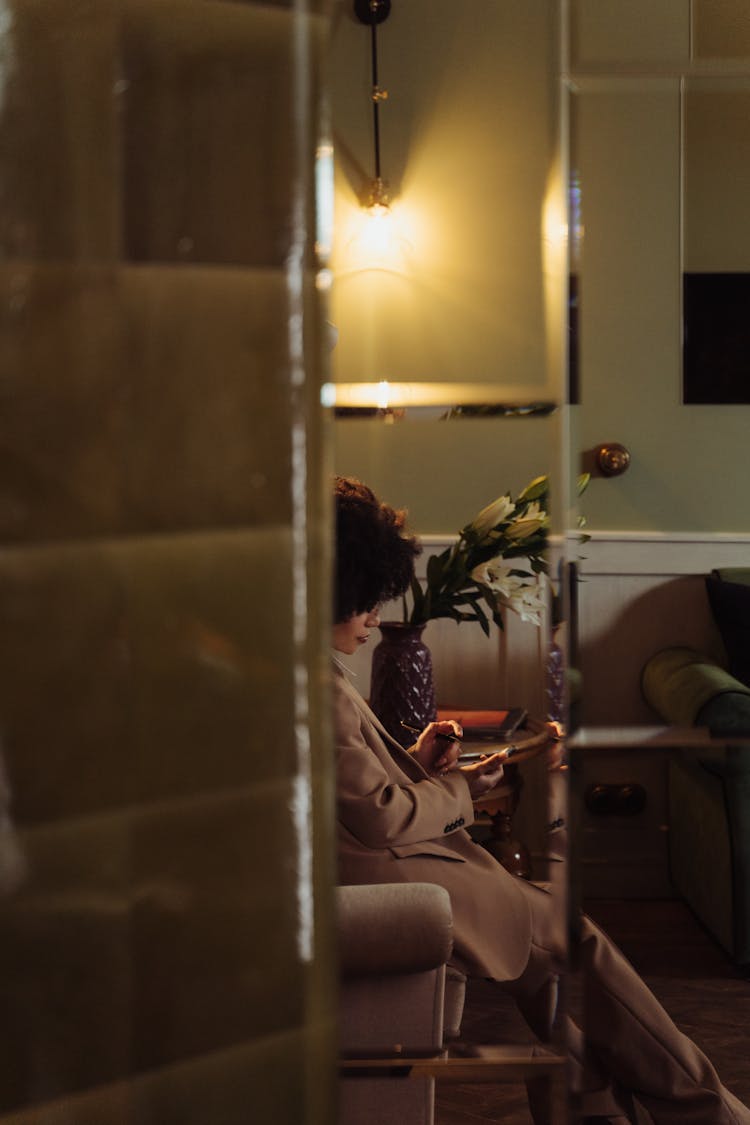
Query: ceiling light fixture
{"points": [[372, 13]]}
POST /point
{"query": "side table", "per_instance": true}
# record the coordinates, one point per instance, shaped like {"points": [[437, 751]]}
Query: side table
{"points": [[500, 803]]}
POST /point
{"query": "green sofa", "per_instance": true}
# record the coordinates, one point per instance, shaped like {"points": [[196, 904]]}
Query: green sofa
{"points": [[709, 789]]}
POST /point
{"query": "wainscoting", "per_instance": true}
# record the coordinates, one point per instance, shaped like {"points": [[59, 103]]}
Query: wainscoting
{"points": [[640, 592]]}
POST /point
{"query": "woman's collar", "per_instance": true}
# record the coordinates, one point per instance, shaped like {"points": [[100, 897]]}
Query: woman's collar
{"points": [[340, 664]]}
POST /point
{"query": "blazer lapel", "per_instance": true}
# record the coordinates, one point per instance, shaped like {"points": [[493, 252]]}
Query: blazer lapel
{"points": [[403, 758]]}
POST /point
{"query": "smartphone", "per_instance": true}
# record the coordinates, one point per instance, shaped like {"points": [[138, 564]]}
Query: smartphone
{"points": [[475, 755]]}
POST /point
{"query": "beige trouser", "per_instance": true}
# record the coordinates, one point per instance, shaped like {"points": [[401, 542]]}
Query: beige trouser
{"points": [[631, 1046]]}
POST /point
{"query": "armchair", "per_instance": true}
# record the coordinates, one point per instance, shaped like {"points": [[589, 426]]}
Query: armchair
{"points": [[398, 996]]}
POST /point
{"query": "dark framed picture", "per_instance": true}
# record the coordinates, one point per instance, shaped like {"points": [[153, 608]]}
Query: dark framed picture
{"points": [[716, 338]]}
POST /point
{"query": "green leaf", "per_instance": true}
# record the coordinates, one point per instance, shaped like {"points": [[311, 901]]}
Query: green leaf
{"points": [[483, 620], [418, 608], [478, 615], [435, 568]]}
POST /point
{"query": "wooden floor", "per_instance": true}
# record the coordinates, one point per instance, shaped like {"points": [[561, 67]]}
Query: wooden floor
{"points": [[696, 982]]}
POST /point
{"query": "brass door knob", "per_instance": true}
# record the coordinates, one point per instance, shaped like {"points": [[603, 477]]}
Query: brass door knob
{"points": [[612, 458]]}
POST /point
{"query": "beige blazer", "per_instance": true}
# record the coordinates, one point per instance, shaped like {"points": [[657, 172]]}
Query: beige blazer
{"points": [[397, 823]]}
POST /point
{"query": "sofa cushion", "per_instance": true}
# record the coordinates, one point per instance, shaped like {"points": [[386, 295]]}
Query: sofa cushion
{"points": [[730, 604]]}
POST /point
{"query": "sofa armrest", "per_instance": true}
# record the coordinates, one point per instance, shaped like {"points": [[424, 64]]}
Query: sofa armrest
{"points": [[687, 688], [393, 928]]}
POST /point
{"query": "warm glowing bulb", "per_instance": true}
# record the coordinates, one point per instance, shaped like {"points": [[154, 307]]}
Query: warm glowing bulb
{"points": [[378, 243], [377, 236]]}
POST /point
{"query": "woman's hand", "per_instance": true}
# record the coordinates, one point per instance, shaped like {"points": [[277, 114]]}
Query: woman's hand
{"points": [[556, 748], [484, 774], [435, 752]]}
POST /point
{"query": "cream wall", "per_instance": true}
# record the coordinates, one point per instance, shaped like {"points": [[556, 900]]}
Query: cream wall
{"points": [[662, 167], [688, 462], [717, 173], [469, 138], [467, 134]]}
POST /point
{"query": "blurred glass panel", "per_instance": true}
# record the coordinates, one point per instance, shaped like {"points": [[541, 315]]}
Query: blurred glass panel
{"points": [[721, 29]]}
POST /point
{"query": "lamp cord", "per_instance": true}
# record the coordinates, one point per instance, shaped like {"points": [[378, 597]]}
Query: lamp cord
{"points": [[375, 90]]}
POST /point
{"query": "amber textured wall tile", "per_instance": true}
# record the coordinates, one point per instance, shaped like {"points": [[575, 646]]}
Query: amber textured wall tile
{"points": [[130, 670], [59, 192], [144, 399], [199, 163], [63, 400], [210, 405], [167, 957]]}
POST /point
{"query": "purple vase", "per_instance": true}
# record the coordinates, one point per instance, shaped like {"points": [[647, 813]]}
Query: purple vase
{"points": [[402, 686]]}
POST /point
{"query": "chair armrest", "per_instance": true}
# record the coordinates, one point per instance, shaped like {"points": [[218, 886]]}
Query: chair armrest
{"points": [[393, 928]]}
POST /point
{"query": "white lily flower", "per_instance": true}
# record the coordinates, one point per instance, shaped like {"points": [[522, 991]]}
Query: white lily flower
{"points": [[529, 603], [492, 515], [495, 576], [506, 530], [524, 595], [534, 519], [535, 512]]}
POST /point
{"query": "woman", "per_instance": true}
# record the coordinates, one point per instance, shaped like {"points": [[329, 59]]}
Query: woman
{"points": [[402, 817]]}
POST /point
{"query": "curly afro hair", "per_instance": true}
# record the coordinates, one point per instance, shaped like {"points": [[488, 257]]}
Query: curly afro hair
{"points": [[374, 559]]}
